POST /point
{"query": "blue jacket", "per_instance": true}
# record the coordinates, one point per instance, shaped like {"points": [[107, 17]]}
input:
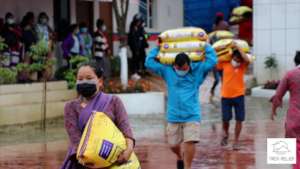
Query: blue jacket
{"points": [[183, 91]]}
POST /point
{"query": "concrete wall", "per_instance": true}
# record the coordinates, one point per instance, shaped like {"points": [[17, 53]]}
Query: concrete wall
{"points": [[20, 7], [276, 31], [22, 103]]}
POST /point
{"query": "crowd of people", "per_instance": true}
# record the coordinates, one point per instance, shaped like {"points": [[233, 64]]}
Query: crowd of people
{"points": [[19, 37], [79, 40]]}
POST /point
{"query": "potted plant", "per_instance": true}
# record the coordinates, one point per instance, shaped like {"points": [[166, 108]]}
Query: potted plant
{"points": [[70, 74], [271, 64], [7, 75], [41, 62], [3, 46]]}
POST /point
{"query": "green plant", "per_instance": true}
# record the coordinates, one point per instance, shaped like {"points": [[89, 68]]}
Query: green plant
{"points": [[115, 66], [23, 67], [3, 46], [70, 74], [7, 75], [76, 61], [271, 63], [70, 77], [39, 52], [40, 60]]}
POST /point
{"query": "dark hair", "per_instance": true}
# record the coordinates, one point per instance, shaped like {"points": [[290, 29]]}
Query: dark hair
{"points": [[297, 58], [237, 54], [82, 25], [182, 59], [99, 23], [27, 19], [73, 28], [43, 15], [96, 67], [247, 15], [219, 18], [8, 15]]}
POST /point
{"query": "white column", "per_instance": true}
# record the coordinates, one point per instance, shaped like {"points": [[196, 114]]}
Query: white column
{"points": [[73, 11], [124, 67], [96, 13]]}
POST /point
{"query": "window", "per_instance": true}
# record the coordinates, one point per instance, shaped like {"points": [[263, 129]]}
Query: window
{"points": [[146, 9]]}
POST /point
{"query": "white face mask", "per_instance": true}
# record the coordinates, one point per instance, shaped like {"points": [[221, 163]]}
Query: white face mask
{"points": [[103, 28], [10, 21], [235, 63]]}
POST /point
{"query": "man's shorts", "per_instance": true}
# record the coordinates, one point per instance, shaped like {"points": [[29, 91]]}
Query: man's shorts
{"points": [[178, 133], [238, 103]]}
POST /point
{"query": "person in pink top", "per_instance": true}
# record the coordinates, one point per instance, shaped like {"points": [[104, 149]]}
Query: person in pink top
{"points": [[291, 83]]}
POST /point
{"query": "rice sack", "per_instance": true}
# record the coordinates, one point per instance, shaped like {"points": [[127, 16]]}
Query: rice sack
{"points": [[102, 143]]}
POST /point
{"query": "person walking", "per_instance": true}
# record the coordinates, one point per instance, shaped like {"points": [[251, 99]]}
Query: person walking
{"points": [[183, 79], [233, 93], [290, 83]]}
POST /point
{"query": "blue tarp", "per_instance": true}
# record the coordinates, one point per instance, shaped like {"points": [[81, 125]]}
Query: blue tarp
{"points": [[201, 13]]}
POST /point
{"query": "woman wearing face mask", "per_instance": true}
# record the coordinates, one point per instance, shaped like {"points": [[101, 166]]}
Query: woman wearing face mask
{"points": [[71, 44], [233, 91], [12, 35], [43, 29], [183, 80], [78, 111], [86, 40]]}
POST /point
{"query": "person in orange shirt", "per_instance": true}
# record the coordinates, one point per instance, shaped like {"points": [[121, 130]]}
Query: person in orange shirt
{"points": [[233, 91]]}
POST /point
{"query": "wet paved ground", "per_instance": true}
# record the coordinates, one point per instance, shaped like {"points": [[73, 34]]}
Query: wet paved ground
{"points": [[26, 147]]}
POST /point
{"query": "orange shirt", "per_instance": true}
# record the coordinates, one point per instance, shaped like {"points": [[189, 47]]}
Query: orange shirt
{"points": [[233, 79]]}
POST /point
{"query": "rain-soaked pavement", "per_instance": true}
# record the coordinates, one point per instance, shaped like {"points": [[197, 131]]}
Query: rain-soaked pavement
{"points": [[26, 147]]}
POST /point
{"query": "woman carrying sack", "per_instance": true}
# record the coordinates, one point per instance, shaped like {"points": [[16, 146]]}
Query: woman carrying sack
{"points": [[91, 98]]}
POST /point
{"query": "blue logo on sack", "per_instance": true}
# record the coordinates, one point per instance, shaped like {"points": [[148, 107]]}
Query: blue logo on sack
{"points": [[106, 149]]}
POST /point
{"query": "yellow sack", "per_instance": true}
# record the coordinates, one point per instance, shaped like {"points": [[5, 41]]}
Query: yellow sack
{"points": [[101, 150], [169, 58], [222, 44], [133, 163], [239, 11], [224, 49], [221, 34], [235, 19], [242, 44], [184, 34], [188, 46]]}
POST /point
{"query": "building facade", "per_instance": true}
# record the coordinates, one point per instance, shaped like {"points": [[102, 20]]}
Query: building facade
{"points": [[276, 32]]}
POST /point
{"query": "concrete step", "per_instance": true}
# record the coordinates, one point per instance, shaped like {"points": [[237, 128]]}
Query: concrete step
{"points": [[29, 113], [32, 87], [25, 98]]}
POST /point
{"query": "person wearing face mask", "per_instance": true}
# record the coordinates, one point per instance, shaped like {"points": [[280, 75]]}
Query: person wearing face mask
{"points": [[43, 29], [232, 92], [183, 79], [91, 98], [12, 35], [71, 44], [86, 40], [290, 83], [138, 43], [102, 48]]}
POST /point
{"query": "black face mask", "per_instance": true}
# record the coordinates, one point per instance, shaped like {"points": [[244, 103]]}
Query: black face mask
{"points": [[86, 89]]}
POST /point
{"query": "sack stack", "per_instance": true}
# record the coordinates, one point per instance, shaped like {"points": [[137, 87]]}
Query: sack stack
{"points": [[189, 40]]}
